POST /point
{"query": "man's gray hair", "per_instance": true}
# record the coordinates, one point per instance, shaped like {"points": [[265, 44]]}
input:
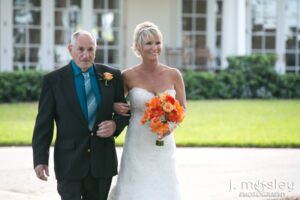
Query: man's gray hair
{"points": [[74, 36]]}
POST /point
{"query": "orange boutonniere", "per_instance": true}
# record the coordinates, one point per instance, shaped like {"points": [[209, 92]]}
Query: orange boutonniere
{"points": [[106, 76], [160, 111]]}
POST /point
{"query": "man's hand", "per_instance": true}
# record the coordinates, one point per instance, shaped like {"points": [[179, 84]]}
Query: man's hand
{"points": [[42, 172], [122, 108], [106, 128]]}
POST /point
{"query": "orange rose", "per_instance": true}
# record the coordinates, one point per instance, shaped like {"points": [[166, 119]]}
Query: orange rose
{"points": [[107, 76], [157, 126], [145, 117], [168, 107], [170, 99]]}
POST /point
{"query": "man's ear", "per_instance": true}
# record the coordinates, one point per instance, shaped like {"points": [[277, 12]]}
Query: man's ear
{"points": [[70, 48]]}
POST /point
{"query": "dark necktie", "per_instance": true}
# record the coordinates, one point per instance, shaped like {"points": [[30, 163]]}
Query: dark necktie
{"points": [[90, 100]]}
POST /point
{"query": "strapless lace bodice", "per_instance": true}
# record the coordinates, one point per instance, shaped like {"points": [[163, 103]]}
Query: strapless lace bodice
{"points": [[146, 169]]}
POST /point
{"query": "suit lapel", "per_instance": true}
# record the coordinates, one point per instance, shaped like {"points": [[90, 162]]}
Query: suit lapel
{"points": [[104, 89], [70, 93]]}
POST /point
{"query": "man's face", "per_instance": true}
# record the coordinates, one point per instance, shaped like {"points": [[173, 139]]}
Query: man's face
{"points": [[84, 51]]}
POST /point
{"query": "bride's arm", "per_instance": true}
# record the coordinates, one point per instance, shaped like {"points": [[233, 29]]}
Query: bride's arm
{"points": [[120, 107], [179, 87], [180, 96]]}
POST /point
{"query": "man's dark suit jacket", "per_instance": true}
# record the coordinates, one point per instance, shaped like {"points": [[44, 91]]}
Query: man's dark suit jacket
{"points": [[77, 149]]}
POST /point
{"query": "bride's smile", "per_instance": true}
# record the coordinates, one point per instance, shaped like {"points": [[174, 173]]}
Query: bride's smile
{"points": [[151, 48]]}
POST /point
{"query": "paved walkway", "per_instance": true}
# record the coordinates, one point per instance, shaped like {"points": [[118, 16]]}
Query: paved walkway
{"points": [[205, 174]]}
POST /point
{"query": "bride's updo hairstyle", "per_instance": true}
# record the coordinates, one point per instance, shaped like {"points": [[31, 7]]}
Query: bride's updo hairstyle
{"points": [[141, 32]]}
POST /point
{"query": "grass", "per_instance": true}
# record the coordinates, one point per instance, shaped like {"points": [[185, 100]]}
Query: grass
{"points": [[245, 123], [229, 123], [16, 123]]}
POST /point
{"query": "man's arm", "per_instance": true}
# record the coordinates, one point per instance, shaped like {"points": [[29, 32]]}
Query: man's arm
{"points": [[121, 121], [43, 130]]}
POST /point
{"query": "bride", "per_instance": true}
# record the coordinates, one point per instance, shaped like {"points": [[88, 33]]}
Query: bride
{"points": [[147, 171]]}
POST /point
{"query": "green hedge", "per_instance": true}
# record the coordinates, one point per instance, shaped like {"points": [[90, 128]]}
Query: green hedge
{"points": [[246, 77], [20, 86]]}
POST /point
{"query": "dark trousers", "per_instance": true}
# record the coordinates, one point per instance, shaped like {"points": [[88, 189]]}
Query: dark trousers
{"points": [[89, 188]]}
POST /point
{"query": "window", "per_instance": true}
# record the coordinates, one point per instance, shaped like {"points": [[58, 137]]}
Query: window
{"points": [[264, 26], [67, 20], [219, 32], [292, 36], [26, 33], [202, 34], [107, 29], [268, 33], [194, 31]]}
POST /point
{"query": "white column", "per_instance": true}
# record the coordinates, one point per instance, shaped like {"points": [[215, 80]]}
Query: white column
{"points": [[123, 35], [0, 33], [241, 27], [87, 15], [280, 37], [228, 30], [47, 39], [172, 52], [248, 27], [234, 29], [211, 29], [175, 23], [6, 37]]}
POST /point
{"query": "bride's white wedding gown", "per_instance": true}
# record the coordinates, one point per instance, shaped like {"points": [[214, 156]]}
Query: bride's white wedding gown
{"points": [[147, 171]]}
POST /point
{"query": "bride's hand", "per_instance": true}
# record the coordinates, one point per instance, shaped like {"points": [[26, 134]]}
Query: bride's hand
{"points": [[122, 108], [172, 126]]}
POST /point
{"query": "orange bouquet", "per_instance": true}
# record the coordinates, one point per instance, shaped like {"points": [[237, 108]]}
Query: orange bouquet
{"points": [[161, 111]]}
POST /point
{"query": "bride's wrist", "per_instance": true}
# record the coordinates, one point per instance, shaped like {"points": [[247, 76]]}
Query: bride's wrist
{"points": [[172, 126]]}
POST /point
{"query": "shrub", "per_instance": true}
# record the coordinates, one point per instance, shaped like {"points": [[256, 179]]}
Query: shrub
{"points": [[20, 86], [200, 85], [256, 74], [246, 77]]}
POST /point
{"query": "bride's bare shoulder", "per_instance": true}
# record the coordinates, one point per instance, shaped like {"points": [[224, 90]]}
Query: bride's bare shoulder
{"points": [[129, 72], [171, 70]]}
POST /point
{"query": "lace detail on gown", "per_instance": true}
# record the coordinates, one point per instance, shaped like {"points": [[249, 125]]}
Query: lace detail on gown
{"points": [[147, 171]]}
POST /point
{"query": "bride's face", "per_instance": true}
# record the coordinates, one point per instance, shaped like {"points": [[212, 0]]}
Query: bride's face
{"points": [[151, 48]]}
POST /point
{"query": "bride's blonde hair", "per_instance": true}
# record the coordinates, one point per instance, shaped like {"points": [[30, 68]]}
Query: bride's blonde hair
{"points": [[144, 30]]}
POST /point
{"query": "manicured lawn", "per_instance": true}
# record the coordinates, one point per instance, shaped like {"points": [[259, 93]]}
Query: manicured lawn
{"points": [[246, 123], [260, 123], [16, 123]]}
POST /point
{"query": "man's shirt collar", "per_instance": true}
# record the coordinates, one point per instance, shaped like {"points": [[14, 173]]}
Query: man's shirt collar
{"points": [[77, 71]]}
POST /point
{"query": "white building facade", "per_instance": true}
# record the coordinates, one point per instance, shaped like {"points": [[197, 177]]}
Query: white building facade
{"points": [[198, 34]]}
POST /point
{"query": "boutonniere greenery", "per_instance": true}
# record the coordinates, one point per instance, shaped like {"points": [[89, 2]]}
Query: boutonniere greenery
{"points": [[106, 76]]}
